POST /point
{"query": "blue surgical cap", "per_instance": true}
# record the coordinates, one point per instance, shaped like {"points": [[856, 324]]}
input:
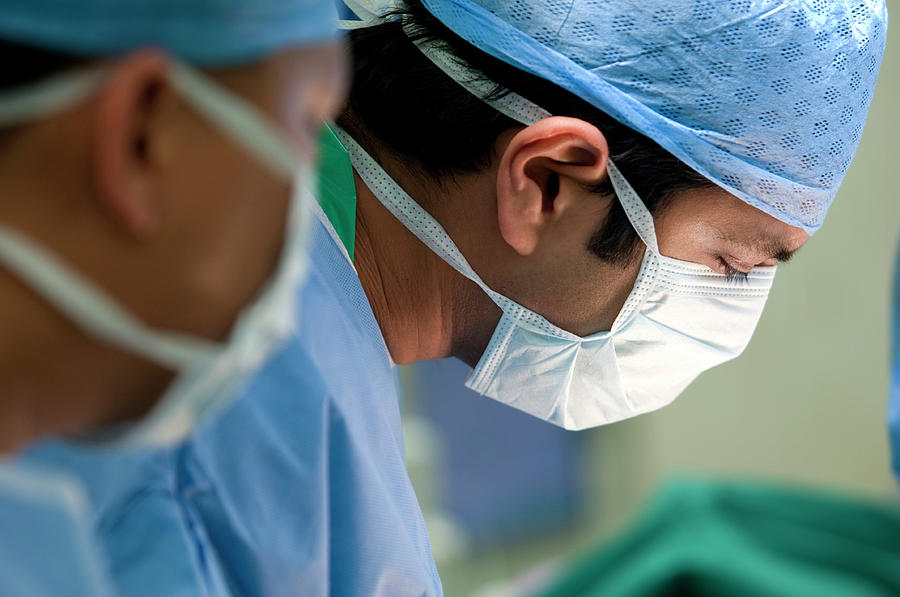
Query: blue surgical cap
{"points": [[766, 98], [203, 32]]}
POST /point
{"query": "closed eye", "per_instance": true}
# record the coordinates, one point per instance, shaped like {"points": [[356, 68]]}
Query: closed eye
{"points": [[733, 274]]}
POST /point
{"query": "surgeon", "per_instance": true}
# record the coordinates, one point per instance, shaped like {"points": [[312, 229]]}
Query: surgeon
{"points": [[584, 200], [154, 189]]}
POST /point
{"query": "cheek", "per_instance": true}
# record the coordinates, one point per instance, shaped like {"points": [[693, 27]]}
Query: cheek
{"points": [[588, 293], [580, 292], [247, 239], [230, 213], [252, 219], [611, 289]]}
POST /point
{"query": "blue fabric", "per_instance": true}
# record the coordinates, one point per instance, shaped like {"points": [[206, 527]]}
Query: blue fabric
{"points": [[766, 98], [306, 475], [151, 543], [300, 488], [204, 32], [894, 388], [47, 547]]}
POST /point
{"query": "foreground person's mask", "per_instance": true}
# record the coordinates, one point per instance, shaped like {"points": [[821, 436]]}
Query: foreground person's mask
{"points": [[680, 319], [209, 375]]}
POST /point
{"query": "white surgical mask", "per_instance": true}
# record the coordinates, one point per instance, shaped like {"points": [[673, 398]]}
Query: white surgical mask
{"points": [[209, 374], [680, 319]]}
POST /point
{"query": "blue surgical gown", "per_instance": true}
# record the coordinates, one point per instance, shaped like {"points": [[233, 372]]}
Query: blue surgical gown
{"points": [[300, 488], [303, 487], [47, 543]]}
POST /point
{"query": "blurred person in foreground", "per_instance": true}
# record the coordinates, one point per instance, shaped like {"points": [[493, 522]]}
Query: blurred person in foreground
{"points": [[585, 200], [154, 177]]}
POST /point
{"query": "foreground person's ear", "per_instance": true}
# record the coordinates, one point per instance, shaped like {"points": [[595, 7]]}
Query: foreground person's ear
{"points": [[133, 109]]}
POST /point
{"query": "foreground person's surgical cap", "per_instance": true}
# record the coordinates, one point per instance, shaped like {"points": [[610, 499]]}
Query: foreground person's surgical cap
{"points": [[202, 32], [765, 98]]}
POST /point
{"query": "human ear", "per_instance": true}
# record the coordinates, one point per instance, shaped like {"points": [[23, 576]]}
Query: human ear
{"points": [[533, 168], [124, 148]]}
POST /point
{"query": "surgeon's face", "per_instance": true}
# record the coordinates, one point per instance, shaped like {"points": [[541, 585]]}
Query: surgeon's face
{"points": [[217, 213], [229, 209], [166, 213], [574, 289], [534, 247], [711, 227]]}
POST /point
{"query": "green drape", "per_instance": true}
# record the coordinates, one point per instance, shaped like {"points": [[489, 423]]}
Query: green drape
{"points": [[742, 539]]}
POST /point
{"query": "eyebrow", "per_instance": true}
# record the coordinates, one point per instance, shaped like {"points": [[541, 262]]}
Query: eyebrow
{"points": [[764, 245]]}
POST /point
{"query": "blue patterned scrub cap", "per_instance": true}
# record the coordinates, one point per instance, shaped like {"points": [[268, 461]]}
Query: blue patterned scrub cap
{"points": [[202, 32], [766, 98]]}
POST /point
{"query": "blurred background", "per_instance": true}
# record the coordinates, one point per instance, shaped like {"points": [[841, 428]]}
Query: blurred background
{"points": [[507, 498]]}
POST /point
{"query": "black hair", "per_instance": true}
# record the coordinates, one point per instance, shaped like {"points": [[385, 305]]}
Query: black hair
{"points": [[435, 126], [24, 65]]}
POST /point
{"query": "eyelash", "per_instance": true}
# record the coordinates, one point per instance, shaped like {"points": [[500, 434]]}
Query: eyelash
{"points": [[733, 275]]}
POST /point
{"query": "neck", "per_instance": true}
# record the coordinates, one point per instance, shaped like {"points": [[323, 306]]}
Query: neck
{"points": [[48, 374], [424, 308], [403, 283]]}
